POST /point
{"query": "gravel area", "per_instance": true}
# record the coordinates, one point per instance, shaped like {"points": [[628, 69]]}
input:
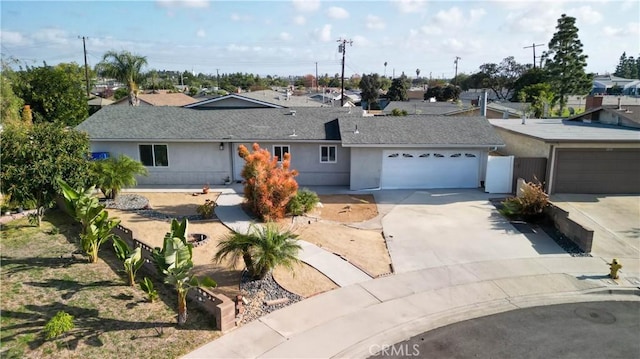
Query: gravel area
{"points": [[140, 204], [259, 291]]}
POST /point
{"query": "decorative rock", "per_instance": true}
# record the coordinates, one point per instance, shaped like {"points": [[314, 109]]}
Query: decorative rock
{"points": [[259, 292], [276, 301]]}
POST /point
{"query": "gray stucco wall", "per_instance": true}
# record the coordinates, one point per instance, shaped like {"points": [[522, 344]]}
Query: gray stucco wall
{"points": [[522, 146], [366, 167], [305, 158], [189, 163], [614, 119]]}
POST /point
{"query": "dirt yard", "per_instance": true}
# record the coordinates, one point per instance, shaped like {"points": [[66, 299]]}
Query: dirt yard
{"points": [[324, 226]]}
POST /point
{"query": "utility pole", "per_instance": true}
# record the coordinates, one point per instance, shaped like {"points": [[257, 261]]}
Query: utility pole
{"points": [[455, 77], [218, 78], [533, 46], [317, 89], [343, 48], [86, 68]]}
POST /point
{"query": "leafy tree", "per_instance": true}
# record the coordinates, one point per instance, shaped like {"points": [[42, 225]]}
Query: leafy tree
{"points": [[262, 248], [10, 103], [532, 76], [445, 93], [175, 261], [461, 80], [131, 259], [628, 67], [125, 67], [112, 174], [540, 96], [369, 86], [33, 157], [269, 185], [566, 63], [54, 93], [502, 76], [398, 90]]}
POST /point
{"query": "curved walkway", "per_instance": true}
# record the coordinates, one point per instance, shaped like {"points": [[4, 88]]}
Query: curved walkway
{"points": [[334, 267]]}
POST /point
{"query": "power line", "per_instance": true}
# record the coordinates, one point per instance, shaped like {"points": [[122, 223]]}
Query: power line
{"points": [[343, 49], [533, 46]]}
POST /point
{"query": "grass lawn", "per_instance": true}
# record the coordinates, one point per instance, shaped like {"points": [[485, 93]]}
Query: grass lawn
{"points": [[40, 275]]}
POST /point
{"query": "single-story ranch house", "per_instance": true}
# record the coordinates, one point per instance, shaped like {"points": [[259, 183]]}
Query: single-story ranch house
{"points": [[328, 146]]}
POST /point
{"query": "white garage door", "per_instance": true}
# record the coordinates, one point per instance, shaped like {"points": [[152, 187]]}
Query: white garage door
{"points": [[430, 168]]}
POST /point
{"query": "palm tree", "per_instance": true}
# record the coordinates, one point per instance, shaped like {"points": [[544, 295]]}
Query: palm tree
{"points": [[125, 67], [113, 174], [262, 248]]}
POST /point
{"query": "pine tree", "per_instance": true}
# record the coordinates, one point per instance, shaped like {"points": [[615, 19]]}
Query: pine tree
{"points": [[621, 65], [566, 63]]}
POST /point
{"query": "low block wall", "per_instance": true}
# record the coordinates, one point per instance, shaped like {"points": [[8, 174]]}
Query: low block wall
{"points": [[577, 233], [218, 305]]}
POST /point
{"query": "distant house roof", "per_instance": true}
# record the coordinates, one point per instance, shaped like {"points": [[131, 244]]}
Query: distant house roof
{"points": [[558, 130], [630, 113], [418, 130], [232, 101], [281, 98], [160, 99], [99, 101]]}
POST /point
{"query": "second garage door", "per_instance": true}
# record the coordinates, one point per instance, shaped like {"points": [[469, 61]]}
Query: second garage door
{"points": [[430, 169], [597, 171]]}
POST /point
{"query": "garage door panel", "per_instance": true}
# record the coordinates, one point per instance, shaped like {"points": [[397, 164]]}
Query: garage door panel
{"points": [[597, 171], [424, 168]]}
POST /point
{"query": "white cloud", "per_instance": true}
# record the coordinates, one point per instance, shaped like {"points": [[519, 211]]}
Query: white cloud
{"points": [[13, 38], [431, 30], [632, 29], [410, 6], [477, 14], [201, 33], [237, 48], [306, 5], [361, 41], [183, 3], [299, 20], [285, 36], [238, 17], [337, 13], [453, 44], [51, 36], [586, 14], [453, 16], [375, 23], [323, 34]]}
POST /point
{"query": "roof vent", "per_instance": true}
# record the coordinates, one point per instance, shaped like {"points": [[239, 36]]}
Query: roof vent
{"points": [[292, 112], [356, 130], [293, 134]]}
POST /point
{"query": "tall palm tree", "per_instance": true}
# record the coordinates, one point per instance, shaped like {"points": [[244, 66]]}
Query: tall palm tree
{"points": [[125, 67], [262, 248], [113, 174]]}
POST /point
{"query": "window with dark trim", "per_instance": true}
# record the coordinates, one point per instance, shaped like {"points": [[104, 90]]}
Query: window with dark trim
{"points": [[279, 151], [328, 154], [153, 155], [407, 155], [469, 155], [438, 155], [456, 155], [424, 155], [393, 155]]}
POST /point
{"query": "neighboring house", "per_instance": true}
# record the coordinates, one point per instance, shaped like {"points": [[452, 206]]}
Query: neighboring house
{"points": [[329, 146], [618, 115], [581, 157], [161, 98], [612, 85], [283, 98], [422, 107], [232, 101]]}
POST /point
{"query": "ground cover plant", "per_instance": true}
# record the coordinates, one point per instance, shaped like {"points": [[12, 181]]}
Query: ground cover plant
{"points": [[43, 273]]}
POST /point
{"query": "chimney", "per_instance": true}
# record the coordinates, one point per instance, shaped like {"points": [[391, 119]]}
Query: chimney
{"points": [[593, 102], [483, 103]]}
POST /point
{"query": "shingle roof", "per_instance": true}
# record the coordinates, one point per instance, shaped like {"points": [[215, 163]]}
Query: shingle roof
{"points": [[558, 130], [420, 107], [161, 99], [418, 130], [181, 124]]}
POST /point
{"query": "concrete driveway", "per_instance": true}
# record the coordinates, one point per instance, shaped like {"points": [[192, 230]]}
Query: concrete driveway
{"points": [[615, 221], [444, 227]]}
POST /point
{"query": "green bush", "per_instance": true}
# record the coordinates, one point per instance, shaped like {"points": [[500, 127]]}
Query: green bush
{"points": [[206, 210], [147, 286], [61, 323], [303, 202]]}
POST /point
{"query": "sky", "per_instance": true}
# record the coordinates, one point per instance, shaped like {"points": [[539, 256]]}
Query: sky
{"points": [[287, 38]]}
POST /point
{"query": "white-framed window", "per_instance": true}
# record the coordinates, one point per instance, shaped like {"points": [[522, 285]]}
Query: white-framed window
{"points": [[280, 150], [154, 155], [328, 154]]}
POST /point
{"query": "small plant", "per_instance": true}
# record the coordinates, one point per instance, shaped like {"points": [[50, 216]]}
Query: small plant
{"points": [[61, 323], [532, 200], [131, 259], [206, 210], [147, 286], [303, 202]]}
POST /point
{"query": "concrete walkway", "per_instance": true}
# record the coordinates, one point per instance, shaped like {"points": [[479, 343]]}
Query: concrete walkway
{"points": [[354, 320], [334, 267]]}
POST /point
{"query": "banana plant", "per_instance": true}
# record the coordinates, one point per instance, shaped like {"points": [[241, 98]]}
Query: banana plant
{"points": [[174, 260], [131, 259], [80, 204], [97, 233]]}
